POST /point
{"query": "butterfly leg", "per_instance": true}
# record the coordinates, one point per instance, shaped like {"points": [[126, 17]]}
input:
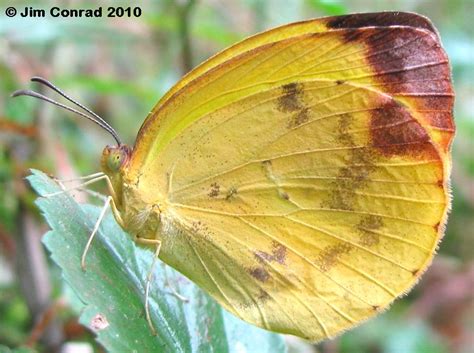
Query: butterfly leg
{"points": [[174, 292], [95, 194], [87, 191], [79, 186], [149, 278], [109, 201], [85, 177], [93, 179], [94, 231]]}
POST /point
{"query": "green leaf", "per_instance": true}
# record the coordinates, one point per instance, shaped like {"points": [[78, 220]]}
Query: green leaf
{"points": [[113, 286], [328, 7], [4, 349]]}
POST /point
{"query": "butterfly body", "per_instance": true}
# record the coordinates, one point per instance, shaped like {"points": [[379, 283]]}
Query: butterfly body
{"points": [[301, 176]]}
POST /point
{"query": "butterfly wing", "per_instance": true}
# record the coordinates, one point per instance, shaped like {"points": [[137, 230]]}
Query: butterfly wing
{"points": [[299, 28], [303, 180], [438, 122]]}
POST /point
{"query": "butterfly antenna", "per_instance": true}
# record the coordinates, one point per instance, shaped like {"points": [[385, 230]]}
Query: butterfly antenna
{"points": [[92, 117]]}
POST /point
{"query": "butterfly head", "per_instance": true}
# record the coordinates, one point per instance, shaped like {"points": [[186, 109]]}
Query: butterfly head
{"points": [[113, 162], [115, 158]]}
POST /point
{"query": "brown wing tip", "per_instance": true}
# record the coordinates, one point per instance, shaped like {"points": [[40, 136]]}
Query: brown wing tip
{"points": [[381, 19]]}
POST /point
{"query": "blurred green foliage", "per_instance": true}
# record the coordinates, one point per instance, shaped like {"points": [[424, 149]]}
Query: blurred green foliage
{"points": [[121, 67]]}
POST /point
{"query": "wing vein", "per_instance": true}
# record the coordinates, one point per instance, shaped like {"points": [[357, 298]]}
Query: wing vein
{"points": [[304, 258], [314, 209], [250, 296], [332, 235]]}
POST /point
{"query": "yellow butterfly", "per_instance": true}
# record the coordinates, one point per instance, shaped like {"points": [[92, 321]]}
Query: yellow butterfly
{"points": [[301, 176]]}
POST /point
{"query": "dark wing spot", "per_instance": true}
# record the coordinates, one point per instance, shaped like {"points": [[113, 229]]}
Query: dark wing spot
{"points": [[340, 198], [407, 62], [394, 132], [366, 228], [413, 64], [405, 58], [352, 177], [330, 255], [278, 254], [290, 100], [299, 118], [263, 296], [340, 82], [214, 192], [284, 195], [371, 222], [259, 273]]}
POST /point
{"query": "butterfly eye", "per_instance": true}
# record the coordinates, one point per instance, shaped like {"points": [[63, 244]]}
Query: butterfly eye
{"points": [[114, 161], [114, 158]]}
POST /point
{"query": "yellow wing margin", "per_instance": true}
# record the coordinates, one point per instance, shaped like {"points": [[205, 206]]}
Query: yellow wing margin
{"points": [[303, 183]]}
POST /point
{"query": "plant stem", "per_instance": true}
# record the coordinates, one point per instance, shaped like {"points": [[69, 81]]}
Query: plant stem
{"points": [[184, 14]]}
